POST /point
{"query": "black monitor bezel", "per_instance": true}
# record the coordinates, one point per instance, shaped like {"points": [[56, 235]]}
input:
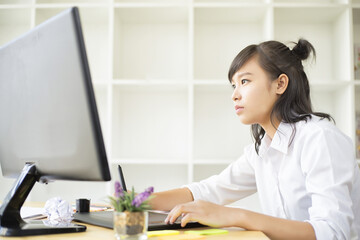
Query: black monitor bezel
{"points": [[91, 98]]}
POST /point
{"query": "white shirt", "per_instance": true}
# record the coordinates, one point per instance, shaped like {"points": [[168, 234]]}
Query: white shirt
{"points": [[314, 178]]}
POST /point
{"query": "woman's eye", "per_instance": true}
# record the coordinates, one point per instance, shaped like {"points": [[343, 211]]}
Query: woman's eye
{"points": [[243, 81], [233, 86]]}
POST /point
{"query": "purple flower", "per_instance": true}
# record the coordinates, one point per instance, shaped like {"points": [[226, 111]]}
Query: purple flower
{"points": [[119, 191], [150, 190], [140, 198]]}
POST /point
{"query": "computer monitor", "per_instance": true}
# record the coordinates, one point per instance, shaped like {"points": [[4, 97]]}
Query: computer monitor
{"points": [[49, 124]]}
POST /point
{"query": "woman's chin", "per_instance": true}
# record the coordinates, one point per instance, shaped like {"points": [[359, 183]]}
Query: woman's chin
{"points": [[245, 121]]}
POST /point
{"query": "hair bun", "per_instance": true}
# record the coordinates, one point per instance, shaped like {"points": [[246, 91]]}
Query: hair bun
{"points": [[303, 49]]}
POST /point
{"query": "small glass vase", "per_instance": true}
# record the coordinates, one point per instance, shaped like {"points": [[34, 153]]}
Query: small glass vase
{"points": [[130, 225]]}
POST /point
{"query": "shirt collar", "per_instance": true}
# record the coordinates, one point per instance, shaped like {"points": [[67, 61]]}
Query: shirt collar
{"points": [[281, 139]]}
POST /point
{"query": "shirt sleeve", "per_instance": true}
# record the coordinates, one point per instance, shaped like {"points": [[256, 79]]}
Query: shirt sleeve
{"points": [[329, 167], [233, 183]]}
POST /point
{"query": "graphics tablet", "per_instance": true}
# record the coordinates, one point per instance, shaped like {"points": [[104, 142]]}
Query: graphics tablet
{"points": [[105, 219], [156, 218]]}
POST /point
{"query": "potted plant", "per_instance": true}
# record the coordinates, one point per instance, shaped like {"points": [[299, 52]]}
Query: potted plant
{"points": [[130, 213]]}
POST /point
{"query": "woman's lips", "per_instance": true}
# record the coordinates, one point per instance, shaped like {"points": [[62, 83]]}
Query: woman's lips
{"points": [[238, 109]]}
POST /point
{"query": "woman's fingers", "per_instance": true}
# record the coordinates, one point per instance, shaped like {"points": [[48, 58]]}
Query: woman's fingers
{"points": [[199, 211], [173, 215], [189, 217], [179, 210], [207, 213]]}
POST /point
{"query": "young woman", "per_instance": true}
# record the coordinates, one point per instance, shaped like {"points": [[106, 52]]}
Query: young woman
{"points": [[301, 165]]}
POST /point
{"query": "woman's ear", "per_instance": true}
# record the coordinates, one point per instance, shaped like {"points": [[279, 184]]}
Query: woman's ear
{"points": [[282, 83]]}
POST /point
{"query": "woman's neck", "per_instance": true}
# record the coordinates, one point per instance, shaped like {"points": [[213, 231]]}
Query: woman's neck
{"points": [[271, 127]]}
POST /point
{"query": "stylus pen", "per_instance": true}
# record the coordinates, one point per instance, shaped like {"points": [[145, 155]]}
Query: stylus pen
{"points": [[122, 180]]}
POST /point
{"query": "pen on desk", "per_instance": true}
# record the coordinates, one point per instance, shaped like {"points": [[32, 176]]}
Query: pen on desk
{"points": [[35, 217], [122, 180]]}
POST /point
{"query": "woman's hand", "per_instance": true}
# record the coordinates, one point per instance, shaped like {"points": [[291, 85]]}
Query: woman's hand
{"points": [[200, 211], [219, 216]]}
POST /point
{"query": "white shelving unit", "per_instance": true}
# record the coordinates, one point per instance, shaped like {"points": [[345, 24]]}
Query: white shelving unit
{"points": [[159, 69]]}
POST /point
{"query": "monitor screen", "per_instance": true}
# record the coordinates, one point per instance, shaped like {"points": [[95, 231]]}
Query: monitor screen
{"points": [[47, 105], [48, 114]]}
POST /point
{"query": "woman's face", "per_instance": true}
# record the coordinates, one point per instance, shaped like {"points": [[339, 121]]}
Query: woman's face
{"points": [[254, 94]]}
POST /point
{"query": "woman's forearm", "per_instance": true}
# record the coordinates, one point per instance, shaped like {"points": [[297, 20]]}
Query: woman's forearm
{"points": [[274, 228], [166, 200]]}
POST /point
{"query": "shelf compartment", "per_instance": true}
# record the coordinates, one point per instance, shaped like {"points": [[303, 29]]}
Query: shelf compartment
{"points": [[213, 161], [96, 33], [357, 98], [218, 133], [101, 96], [356, 34], [311, 2], [151, 82], [13, 23], [324, 27], [14, 2], [323, 86], [212, 82], [95, 25], [72, 2], [357, 121], [229, 2], [333, 102], [161, 177], [202, 172], [150, 122], [221, 33], [153, 161], [147, 39], [151, 2]]}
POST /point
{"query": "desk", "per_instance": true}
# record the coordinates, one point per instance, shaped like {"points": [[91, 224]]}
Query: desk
{"points": [[95, 233]]}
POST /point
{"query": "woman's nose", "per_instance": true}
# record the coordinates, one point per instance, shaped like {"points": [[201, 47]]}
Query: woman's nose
{"points": [[236, 95]]}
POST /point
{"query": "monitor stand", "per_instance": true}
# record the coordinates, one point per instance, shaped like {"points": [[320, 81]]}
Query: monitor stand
{"points": [[11, 223]]}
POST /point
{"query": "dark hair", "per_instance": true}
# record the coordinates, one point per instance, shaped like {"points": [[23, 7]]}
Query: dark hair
{"points": [[276, 58]]}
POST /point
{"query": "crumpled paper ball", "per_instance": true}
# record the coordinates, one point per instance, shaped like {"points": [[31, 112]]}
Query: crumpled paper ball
{"points": [[59, 212]]}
